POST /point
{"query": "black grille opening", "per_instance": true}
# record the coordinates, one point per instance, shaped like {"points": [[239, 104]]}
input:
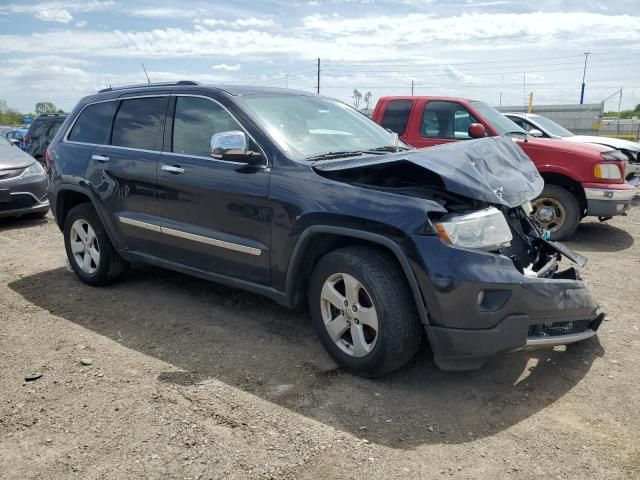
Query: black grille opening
{"points": [[17, 202], [554, 329]]}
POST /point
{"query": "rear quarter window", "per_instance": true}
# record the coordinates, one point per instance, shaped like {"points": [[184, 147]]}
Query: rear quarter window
{"points": [[396, 115], [94, 124]]}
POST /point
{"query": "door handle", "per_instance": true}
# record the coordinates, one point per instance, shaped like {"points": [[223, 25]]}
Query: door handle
{"points": [[172, 169], [100, 158]]}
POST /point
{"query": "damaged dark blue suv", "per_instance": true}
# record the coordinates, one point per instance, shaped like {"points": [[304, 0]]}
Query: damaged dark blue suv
{"points": [[302, 198]]}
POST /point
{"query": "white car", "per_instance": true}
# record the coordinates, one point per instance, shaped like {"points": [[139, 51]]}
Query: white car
{"points": [[538, 126]]}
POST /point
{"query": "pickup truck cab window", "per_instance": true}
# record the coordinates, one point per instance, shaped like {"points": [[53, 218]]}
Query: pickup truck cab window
{"points": [[446, 120], [93, 124], [396, 115], [195, 120], [139, 123]]}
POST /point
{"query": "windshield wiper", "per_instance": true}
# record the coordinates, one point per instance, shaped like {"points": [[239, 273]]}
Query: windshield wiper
{"points": [[389, 148], [330, 155]]}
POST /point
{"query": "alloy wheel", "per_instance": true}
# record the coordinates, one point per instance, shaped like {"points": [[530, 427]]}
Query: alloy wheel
{"points": [[349, 315], [84, 246]]}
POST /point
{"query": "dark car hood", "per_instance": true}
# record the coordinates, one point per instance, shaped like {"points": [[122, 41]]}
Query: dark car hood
{"points": [[13, 157], [493, 169]]}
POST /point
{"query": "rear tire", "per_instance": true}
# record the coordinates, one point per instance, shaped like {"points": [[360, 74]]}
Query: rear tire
{"points": [[89, 250], [557, 210], [388, 333]]}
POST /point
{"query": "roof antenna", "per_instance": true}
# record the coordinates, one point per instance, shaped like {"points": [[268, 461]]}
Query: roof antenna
{"points": [[146, 74]]}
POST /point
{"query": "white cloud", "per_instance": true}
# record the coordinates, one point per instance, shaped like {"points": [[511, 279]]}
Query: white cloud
{"points": [[167, 12], [69, 6], [224, 66], [251, 22], [81, 23], [61, 16]]}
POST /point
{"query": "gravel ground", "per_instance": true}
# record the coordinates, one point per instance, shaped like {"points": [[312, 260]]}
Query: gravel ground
{"points": [[166, 376]]}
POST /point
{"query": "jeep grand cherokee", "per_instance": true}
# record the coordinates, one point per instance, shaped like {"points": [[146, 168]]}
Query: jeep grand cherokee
{"points": [[300, 197]]}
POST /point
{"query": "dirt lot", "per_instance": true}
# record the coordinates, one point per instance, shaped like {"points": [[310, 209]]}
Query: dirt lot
{"points": [[190, 379]]}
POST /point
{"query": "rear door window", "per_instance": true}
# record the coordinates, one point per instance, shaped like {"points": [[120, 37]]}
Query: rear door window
{"points": [[94, 124], [139, 123], [396, 115]]}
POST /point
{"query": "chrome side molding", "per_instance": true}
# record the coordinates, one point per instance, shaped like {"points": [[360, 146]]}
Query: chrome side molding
{"points": [[191, 236]]}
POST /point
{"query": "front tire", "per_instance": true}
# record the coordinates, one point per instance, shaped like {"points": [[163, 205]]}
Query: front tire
{"points": [[557, 211], [89, 250], [363, 311]]}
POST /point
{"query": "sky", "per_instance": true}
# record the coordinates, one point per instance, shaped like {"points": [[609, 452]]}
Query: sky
{"points": [[492, 50]]}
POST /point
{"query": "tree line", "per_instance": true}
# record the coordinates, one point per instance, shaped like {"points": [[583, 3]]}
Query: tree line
{"points": [[625, 113], [11, 116]]}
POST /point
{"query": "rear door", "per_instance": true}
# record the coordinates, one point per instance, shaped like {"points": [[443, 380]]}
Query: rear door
{"points": [[216, 214], [123, 171]]}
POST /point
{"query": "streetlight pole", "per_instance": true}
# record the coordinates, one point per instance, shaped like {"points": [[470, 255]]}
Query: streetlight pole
{"points": [[584, 74]]}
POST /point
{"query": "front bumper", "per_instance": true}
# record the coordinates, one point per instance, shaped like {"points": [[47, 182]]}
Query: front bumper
{"points": [[27, 195], [608, 201], [479, 305]]}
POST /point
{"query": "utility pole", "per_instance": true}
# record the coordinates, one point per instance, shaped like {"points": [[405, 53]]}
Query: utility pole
{"points": [[524, 90], [412, 88], [619, 105], [500, 98], [318, 76], [584, 74]]}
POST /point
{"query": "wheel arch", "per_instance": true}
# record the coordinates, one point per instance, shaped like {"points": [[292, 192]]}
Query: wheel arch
{"points": [[68, 196], [569, 184], [316, 241]]}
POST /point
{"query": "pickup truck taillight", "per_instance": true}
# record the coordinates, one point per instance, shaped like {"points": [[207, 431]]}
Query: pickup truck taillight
{"points": [[26, 140]]}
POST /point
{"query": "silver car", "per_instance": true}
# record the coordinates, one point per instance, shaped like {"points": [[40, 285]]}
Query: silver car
{"points": [[23, 183]]}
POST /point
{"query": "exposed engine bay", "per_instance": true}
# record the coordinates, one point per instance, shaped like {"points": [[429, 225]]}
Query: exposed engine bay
{"points": [[531, 253]]}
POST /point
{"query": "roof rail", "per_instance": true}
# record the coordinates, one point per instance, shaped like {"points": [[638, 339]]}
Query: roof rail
{"points": [[140, 85]]}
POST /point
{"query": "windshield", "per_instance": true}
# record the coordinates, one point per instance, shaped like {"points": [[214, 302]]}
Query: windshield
{"points": [[307, 126], [552, 127], [498, 121], [4, 142]]}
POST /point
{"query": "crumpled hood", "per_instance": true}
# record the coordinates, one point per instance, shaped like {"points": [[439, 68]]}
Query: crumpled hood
{"points": [[617, 143], [493, 169], [13, 157]]}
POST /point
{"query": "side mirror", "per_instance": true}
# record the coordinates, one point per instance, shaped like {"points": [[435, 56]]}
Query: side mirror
{"points": [[534, 132], [231, 145], [14, 141], [477, 130]]}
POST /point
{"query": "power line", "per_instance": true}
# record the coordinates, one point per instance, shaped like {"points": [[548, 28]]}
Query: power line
{"points": [[527, 60]]}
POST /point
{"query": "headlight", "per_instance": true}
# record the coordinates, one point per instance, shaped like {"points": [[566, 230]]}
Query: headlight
{"points": [[35, 170], [613, 155], [609, 171], [485, 229]]}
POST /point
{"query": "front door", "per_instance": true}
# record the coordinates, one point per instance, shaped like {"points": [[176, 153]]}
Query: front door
{"points": [[216, 213], [443, 122]]}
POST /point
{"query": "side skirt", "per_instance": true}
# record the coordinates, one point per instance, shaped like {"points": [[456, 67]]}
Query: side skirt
{"points": [[280, 297]]}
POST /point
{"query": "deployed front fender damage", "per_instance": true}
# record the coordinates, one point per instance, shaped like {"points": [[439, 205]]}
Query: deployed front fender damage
{"points": [[493, 170]]}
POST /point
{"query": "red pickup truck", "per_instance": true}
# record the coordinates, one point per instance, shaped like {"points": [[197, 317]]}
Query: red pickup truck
{"points": [[580, 179]]}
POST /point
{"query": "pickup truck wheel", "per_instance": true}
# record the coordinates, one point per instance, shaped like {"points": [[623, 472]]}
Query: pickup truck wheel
{"points": [[557, 211], [363, 311], [89, 249]]}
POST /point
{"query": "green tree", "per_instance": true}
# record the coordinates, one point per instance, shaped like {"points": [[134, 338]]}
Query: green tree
{"points": [[43, 108]]}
